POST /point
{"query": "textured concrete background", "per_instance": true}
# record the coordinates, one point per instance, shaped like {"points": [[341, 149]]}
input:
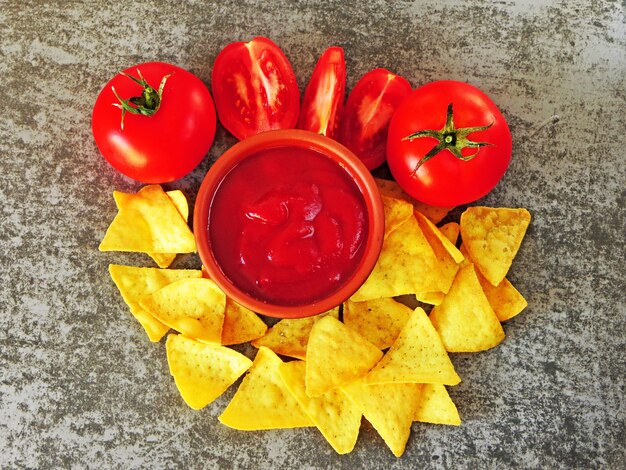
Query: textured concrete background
{"points": [[81, 386]]}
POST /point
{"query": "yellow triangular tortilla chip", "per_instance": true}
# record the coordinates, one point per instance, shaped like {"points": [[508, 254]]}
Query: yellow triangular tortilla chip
{"points": [[396, 212], [442, 247], [393, 189], [180, 202], [263, 401], [241, 324], [465, 320], [504, 298], [379, 321], [289, 337], [435, 406], [417, 356], [336, 355], [194, 307], [451, 231], [406, 265], [432, 298], [492, 237], [203, 372], [136, 283], [437, 238], [148, 222], [389, 408], [467, 259], [334, 414], [163, 260]]}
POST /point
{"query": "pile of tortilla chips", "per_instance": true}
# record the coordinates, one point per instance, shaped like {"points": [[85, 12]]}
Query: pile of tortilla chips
{"points": [[371, 357]]}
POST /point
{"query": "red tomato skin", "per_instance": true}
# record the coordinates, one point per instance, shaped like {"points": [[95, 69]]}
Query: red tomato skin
{"points": [[369, 109], [165, 146], [243, 73], [325, 93], [445, 180]]}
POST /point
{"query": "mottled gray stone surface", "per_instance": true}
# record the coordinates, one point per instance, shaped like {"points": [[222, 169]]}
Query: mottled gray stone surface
{"points": [[81, 386]]}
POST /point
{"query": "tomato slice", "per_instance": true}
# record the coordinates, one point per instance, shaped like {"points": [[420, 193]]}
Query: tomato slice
{"points": [[255, 88], [367, 114], [324, 95]]}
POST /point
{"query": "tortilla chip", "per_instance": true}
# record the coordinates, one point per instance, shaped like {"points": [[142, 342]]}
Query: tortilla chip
{"points": [[437, 238], [180, 202], [492, 238], [336, 355], [451, 231], [396, 212], [392, 189], [443, 249], [468, 259], [163, 260], [334, 414], [435, 406], [431, 298], [406, 265], [379, 321], [148, 222], [504, 298], [290, 337], [263, 401], [465, 320], [194, 307], [240, 324], [136, 283], [389, 408], [417, 356], [203, 372]]}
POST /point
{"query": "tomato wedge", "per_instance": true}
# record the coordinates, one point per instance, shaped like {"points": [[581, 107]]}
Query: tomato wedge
{"points": [[324, 95], [255, 88], [367, 114]]}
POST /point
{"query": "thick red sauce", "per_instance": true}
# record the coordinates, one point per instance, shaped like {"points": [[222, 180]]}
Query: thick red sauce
{"points": [[288, 226]]}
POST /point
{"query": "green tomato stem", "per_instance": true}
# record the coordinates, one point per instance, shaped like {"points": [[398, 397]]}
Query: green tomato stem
{"points": [[147, 104], [449, 138]]}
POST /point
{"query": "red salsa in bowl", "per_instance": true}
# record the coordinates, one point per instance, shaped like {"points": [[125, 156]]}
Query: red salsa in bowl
{"points": [[289, 223]]}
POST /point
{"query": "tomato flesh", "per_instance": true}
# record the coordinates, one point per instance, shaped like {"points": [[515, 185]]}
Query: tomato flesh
{"points": [[367, 114], [445, 179], [255, 88], [162, 147], [324, 95]]}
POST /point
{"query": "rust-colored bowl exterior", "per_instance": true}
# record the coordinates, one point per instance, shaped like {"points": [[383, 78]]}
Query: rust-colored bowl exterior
{"points": [[296, 139]]}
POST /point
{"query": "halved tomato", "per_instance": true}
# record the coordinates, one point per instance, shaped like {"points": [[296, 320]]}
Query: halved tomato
{"points": [[254, 88], [368, 111], [324, 95]]}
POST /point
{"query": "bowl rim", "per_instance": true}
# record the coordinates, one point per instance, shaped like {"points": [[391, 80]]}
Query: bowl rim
{"points": [[301, 139]]}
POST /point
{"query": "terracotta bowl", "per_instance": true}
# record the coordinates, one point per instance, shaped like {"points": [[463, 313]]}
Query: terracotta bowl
{"points": [[290, 138]]}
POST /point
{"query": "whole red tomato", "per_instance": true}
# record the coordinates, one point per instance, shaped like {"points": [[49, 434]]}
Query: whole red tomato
{"points": [[323, 97], [448, 144], [367, 114], [255, 88], [154, 122]]}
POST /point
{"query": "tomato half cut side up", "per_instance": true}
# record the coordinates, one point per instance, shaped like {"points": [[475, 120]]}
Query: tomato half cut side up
{"points": [[368, 111], [324, 95], [255, 88]]}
